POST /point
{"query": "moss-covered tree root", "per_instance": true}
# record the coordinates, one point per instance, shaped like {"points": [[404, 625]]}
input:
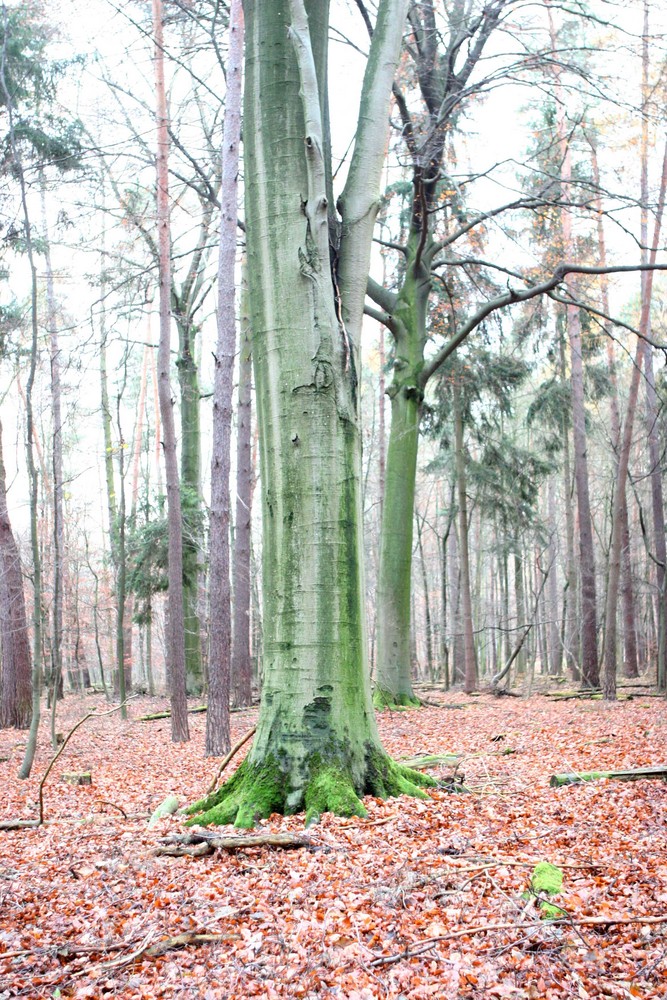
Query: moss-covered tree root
{"points": [[385, 699], [258, 789]]}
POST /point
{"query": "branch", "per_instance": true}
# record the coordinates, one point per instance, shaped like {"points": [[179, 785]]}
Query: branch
{"points": [[381, 296], [534, 925], [511, 296]]}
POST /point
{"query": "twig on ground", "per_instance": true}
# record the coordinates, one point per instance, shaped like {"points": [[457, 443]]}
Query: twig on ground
{"points": [[484, 928], [21, 824]]}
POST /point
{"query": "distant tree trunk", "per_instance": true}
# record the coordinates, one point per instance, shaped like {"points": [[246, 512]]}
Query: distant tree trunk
{"points": [[220, 627], [428, 630], [56, 679], [241, 647], [470, 666], [652, 408], [175, 623], [555, 651], [15, 694], [520, 600], [609, 679], [589, 656], [629, 626], [657, 504]]}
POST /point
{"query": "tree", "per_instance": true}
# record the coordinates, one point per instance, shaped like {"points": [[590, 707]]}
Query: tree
{"points": [[175, 625], [317, 743], [28, 81], [15, 700], [217, 717]]}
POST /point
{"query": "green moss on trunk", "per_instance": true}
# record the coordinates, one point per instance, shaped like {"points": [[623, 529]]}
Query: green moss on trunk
{"points": [[257, 790], [385, 699]]}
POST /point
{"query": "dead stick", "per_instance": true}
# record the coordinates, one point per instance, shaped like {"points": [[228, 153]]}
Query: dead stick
{"points": [[64, 744], [235, 749], [483, 928]]}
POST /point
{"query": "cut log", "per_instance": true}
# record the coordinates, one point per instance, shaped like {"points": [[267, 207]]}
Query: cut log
{"points": [[166, 808], [74, 778], [635, 774]]}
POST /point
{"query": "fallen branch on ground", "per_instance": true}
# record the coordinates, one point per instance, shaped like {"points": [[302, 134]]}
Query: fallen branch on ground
{"points": [[534, 925], [167, 714], [203, 842], [633, 774]]}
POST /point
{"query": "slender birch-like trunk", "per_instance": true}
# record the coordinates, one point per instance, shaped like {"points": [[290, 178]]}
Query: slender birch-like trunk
{"points": [[56, 464], [220, 624], [317, 743], [175, 621], [241, 647]]}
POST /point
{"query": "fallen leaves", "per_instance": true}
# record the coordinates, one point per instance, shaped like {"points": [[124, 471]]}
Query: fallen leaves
{"points": [[422, 899]]}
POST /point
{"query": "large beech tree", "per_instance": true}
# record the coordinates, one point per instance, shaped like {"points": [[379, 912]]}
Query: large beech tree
{"points": [[317, 744]]}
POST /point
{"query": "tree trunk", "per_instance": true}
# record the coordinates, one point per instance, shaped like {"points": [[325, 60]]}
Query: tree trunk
{"points": [[589, 656], [15, 694], [241, 647], [175, 623], [630, 667], [220, 626], [317, 743], [609, 679], [56, 679], [428, 632], [393, 684], [470, 666]]}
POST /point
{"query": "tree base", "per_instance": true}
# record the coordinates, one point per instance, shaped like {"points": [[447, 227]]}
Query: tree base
{"points": [[383, 699], [257, 790]]}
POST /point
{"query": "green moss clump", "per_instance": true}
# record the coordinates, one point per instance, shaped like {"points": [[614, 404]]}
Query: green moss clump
{"points": [[331, 790], [253, 792], [385, 699], [546, 878]]}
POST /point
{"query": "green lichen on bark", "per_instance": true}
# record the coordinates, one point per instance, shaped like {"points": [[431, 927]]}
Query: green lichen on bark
{"points": [[385, 699], [257, 790]]}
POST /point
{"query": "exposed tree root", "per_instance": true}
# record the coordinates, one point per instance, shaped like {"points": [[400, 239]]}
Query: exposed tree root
{"points": [[385, 699], [257, 790]]}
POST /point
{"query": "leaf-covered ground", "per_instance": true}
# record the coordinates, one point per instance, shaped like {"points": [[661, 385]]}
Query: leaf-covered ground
{"points": [[421, 899]]}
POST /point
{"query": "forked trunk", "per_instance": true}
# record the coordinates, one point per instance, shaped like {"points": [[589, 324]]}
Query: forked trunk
{"points": [[317, 743]]}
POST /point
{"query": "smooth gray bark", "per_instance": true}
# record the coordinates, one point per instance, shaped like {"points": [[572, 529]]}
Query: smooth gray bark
{"points": [[220, 625]]}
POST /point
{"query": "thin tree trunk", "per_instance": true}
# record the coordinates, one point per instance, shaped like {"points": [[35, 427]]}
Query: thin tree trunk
{"points": [[220, 628], [428, 634], [609, 679], [175, 624], [470, 666], [241, 647], [56, 679], [589, 655], [17, 165]]}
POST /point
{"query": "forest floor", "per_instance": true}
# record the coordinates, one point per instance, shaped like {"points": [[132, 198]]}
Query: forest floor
{"points": [[421, 899]]}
